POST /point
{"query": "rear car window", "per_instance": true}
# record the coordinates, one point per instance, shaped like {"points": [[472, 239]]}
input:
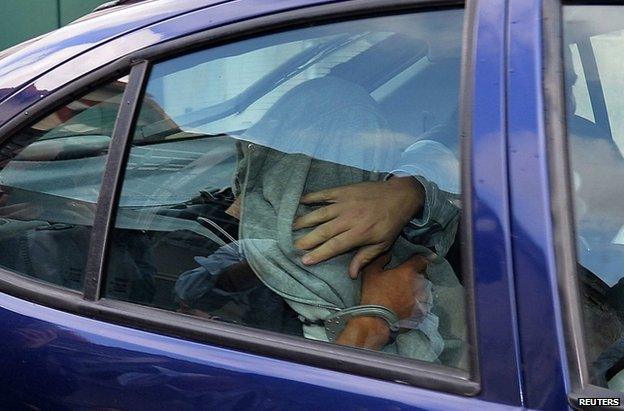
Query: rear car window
{"points": [[306, 183]]}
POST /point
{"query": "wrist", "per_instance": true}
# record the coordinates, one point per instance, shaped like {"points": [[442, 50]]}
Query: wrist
{"points": [[365, 332], [413, 191]]}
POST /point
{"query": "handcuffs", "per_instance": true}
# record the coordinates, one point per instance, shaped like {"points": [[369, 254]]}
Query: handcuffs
{"points": [[335, 323]]}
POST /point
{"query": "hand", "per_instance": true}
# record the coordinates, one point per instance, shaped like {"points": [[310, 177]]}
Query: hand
{"points": [[402, 289], [369, 215]]}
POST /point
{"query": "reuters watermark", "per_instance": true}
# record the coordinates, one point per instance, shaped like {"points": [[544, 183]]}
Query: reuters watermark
{"points": [[598, 402]]}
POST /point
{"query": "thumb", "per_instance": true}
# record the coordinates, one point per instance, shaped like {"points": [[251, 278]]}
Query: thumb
{"points": [[365, 255]]}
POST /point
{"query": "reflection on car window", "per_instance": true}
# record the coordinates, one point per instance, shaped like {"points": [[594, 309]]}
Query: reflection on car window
{"points": [[306, 182], [582, 100], [597, 34], [50, 178]]}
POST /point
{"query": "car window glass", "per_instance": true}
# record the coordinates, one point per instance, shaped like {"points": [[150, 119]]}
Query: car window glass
{"points": [[598, 176], [611, 78], [50, 176], [583, 107], [229, 167]]}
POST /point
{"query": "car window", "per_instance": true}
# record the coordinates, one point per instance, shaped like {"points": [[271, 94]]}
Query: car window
{"points": [[611, 79], [50, 176], [598, 176], [271, 180], [580, 92]]}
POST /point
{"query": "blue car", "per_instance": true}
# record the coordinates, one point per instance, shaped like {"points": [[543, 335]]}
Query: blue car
{"points": [[315, 204]]}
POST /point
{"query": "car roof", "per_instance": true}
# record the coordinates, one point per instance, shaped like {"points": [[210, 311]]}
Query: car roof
{"points": [[27, 61], [115, 3]]}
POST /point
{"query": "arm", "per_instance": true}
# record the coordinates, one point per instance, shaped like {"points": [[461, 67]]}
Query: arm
{"points": [[370, 216], [401, 289]]}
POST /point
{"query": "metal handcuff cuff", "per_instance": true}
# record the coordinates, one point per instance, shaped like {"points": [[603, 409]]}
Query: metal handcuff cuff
{"points": [[335, 323]]}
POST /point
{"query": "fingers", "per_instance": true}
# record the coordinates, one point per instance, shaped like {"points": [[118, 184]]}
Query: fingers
{"points": [[321, 234], [365, 255], [316, 217], [328, 195], [331, 248]]}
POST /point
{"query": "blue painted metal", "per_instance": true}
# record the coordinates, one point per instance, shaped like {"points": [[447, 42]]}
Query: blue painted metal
{"points": [[91, 363], [496, 323], [51, 359], [541, 335]]}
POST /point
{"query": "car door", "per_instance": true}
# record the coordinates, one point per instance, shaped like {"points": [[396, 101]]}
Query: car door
{"points": [[576, 169], [113, 222]]}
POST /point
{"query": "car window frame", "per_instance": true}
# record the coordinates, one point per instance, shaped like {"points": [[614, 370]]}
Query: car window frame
{"points": [[91, 303], [561, 195]]}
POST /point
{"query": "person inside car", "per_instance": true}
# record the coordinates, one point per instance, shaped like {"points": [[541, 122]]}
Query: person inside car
{"points": [[322, 155]]}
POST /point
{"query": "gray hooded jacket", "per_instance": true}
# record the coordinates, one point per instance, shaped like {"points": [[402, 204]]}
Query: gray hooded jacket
{"points": [[327, 133]]}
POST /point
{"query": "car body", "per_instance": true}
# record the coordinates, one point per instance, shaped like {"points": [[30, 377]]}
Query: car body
{"points": [[81, 352]]}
